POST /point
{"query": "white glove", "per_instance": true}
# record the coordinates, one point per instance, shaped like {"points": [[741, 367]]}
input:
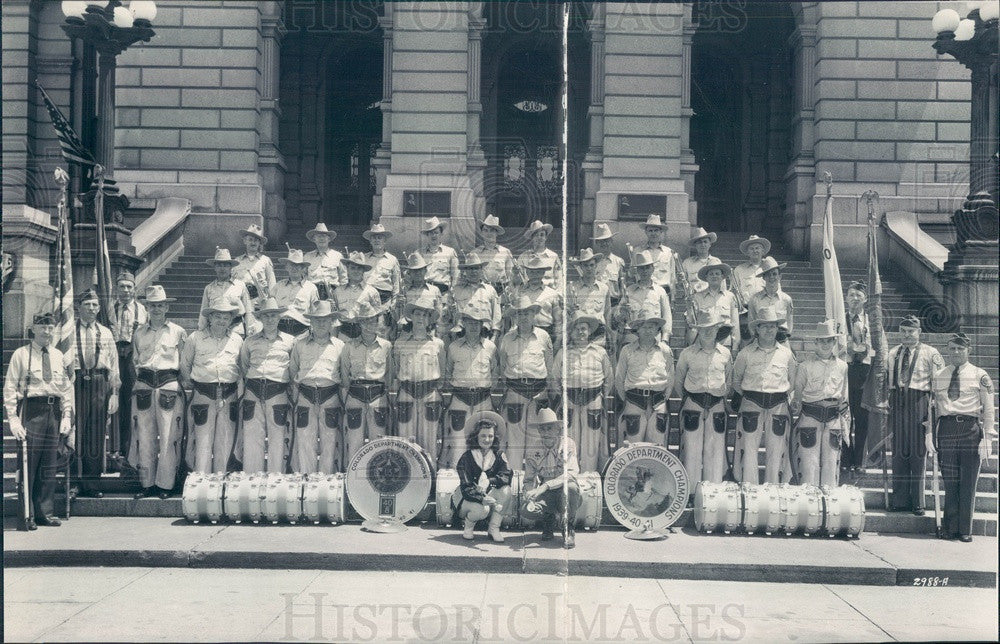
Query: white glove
{"points": [[929, 444], [17, 429], [112, 404], [984, 449], [66, 426]]}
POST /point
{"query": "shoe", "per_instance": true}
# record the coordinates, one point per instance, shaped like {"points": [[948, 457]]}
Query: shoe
{"points": [[494, 528], [570, 541], [52, 522], [965, 538], [143, 493], [547, 526], [90, 494], [470, 529], [919, 512], [28, 524], [165, 494]]}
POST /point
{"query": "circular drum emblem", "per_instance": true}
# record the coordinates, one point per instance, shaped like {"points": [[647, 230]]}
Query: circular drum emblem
{"points": [[389, 478], [645, 487]]}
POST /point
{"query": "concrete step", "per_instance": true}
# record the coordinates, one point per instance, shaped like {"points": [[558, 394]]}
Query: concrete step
{"points": [[986, 502]]}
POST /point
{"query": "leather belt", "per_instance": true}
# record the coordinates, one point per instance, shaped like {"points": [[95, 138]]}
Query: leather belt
{"points": [[646, 398], [418, 388], [88, 374], [527, 387], [48, 401], [471, 396], [581, 396], [822, 412], [318, 395], [366, 391], [703, 399], [266, 389], [156, 378], [960, 418], [766, 400], [215, 390]]}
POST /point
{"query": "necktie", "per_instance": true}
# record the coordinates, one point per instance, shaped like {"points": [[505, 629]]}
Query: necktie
{"points": [[46, 365], [953, 389], [904, 368]]}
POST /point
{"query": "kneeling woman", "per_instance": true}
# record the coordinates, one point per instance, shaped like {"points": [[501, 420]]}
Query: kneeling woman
{"points": [[484, 476]]}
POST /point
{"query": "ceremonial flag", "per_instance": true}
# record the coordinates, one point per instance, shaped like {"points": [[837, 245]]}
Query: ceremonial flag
{"points": [[832, 287], [875, 397], [65, 339], [72, 147]]}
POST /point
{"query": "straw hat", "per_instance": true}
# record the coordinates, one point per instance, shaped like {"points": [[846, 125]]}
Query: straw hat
{"points": [[221, 306], [706, 319], [270, 305], [486, 416], [827, 329], [222, 256], [321, 229], [425, 303], [586, 255], [537, 226], [592, 322], [433, 223], [701, 233], [642, 258], [295, 256], [471, 260], [376, 229], [491, 221], [321, 309], [546, 418], [156, 293], [655, 222], [767, 314], [602, 231], [727, 271], [415, 261], [754, 239], [769, 264], [357, 258], [256, 231]]}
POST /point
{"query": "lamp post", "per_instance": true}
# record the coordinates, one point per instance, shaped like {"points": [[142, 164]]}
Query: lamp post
{"points": [[970, 275], [107, 28]]}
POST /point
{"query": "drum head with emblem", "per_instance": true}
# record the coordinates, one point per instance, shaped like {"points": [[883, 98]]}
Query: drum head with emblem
{"points": [[645, 487], [389, 478]]}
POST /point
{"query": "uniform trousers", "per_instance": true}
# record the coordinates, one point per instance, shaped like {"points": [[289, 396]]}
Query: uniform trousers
{"points": [[958, 443], [418, 409], [92, 390], [550, 507], [40, 417], [703, 437], [264, 438], [908, 412], [763, 419], [818, 437], [318, 442], [857, 374], [366, 411], [212, 425], [587, 426], [126, 370], [644, 417], [464, 403], [521, 405], [157, 413]]}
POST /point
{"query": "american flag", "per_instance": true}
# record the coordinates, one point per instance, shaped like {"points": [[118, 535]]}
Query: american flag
{"points": [[65, 334], [73, 149]]}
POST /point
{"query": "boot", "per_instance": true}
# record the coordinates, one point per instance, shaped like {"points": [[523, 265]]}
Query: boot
{"points": [[570, 541], [470, 527], [548, 524], [494, 530]]}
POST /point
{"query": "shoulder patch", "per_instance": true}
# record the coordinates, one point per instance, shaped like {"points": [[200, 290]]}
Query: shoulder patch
{"points": [[986, 383]]}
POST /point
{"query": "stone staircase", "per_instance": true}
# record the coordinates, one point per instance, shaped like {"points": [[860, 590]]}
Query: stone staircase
{"points": [[187, 276]]}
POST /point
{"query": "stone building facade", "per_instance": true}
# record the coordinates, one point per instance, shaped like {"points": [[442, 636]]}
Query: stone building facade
{"points": [[717, 114]]}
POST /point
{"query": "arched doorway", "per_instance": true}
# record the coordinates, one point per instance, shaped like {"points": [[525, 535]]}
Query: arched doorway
{"points": [[742, 99]]}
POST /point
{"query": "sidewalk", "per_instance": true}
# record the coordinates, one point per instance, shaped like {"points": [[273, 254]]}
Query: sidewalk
{"points": [[874, 559]]}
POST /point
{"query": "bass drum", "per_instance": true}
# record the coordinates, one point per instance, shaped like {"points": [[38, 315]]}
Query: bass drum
{"points": [[645, 488], [843, 511], [323, 498], [444, 486], [761, 509], [588, 517], [801, 509], [283, 498], [512, 513], [201, 499], [243, 497], [389, 479], [718, 506]]}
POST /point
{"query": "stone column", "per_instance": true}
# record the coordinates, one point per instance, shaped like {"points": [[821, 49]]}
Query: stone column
{"points": [[475, 158], [383, 155], [800, 183], [689, 165], [28, 235], [270, 161], [592, 161]]}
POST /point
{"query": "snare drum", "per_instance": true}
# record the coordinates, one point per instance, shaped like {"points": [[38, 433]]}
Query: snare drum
{"points": [[243, 496], [201, 499], [283, 498], [444, 486], [323, 498], [801, 508], [761, 508], [718, 506], [843, 511]]}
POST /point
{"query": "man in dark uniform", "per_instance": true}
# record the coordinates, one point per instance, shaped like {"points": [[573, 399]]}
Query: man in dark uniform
{"points": [[130, 315], [547, 465], [963, 394], [38, 398]]}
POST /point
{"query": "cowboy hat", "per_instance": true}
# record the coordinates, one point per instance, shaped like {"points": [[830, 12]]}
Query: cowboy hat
{"points": [[485, 416], [425, 303], [586, 255], [754, 239], [766, 314], [362, 310], [471, 260], [270, 305], [546, 418], [155, 293], [727, 271], [296, 257], [256, 231], [357, 258], [433, 223], [602, 231], [491, 221], [701, 233], [320, 229], [655, 222], [536, 263], [706, 319], [590, 321], [769, 264], [321, 309], [644, 317], [222, 256], [475, 311], [537, 226], [415, 261], [827, 329], [221, 305], [642, 258], [524, 303], [376, 229]]}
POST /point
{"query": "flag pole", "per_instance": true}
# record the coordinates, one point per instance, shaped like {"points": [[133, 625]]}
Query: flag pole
{"points": [[878, 380]]}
